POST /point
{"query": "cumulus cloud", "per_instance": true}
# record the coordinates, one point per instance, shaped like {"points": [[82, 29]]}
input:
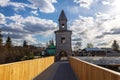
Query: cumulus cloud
{"points": [[35, 12], [4, 2], [107, 2], [112, 32], [77, 39], [84, 3], [45, 6], [84, 28], [2, 19], [30, 39], [17, 5], [115, 8], [97, 31], [37, 25], [20, 6], [27, 28], [102, 27], [102, 44]]}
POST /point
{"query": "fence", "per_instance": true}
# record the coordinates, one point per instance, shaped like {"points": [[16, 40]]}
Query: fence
{"points": [[88, 71], [24, 70]]}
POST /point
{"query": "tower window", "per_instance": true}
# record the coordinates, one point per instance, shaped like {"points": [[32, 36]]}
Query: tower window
{"points": [[63, 25], [63, 40]]}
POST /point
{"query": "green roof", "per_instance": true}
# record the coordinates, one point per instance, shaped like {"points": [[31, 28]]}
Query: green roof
{"points": [[51, 49], [52, 46]]}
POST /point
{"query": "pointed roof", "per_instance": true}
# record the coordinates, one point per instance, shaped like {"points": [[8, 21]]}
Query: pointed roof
{"points": [[52, 46], [62, 16], [0, 34]]}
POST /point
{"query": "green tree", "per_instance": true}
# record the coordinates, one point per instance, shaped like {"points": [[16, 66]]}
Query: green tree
{"points": [[77, 46], [89, 45], [0, 38], [115, 46], [25, 43], [8, 42]]}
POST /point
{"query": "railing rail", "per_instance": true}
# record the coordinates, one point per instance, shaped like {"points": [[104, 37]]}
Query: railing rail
{"points": [[24, 70], [89, 71]]}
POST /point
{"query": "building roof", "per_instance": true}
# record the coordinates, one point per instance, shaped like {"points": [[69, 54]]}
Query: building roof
{"points": [[52, 46], [62, 16], [51, 49], [108, 49], [93, 49], [63, 31]]}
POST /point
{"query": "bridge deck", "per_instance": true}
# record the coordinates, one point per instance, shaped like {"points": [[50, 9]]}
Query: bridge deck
{"points": [[58, 71]]}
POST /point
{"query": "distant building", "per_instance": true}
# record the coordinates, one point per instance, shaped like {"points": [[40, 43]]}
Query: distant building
{"points": [[50, 50], [107, 50], [94, 52]]}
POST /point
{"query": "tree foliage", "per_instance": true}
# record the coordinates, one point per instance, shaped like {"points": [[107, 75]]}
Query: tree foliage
{"points": [[77, 46], [115, 46], [10, 53], [90, 45], [0, 38], [25, 44], [8, 42]]}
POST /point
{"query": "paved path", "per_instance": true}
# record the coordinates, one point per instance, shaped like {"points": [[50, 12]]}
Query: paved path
{"points": [[58, 71]]}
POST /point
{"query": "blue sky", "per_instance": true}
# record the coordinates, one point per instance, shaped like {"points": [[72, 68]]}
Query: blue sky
{"points": [[92, 21]]}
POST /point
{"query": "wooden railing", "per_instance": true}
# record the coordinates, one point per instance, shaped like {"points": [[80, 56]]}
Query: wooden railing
{"points": [[24, 70], [89, 71]]}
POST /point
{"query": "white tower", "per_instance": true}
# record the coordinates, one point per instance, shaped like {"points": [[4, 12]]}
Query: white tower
{"points": [[63, 38]]}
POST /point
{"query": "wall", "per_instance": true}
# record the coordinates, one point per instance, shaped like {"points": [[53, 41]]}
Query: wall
{"points": [[88, 71], [24, 70]]}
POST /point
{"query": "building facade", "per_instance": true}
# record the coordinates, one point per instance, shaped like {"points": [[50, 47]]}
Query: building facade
{"points": [[63, 38]]}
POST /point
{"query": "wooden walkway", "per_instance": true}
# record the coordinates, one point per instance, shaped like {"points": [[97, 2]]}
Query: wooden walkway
{"points": [[58, 71]]}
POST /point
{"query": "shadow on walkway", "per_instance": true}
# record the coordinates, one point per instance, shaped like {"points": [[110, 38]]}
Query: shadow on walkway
{"points": [[58, 71]]}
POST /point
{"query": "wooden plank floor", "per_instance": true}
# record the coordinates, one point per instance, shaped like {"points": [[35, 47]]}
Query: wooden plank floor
{"points": [[58, 71]]}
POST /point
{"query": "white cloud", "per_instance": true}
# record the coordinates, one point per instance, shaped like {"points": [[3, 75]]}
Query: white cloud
{"points": [[16, 17], [45, 6], [106, 2], [73, 9], [101, 29], [30, 39], [16, 5], [2, 19], [27, 28], [35, 12], [84, 3], [4, 2], [84, 28], [115, 8], [102, 15], [96, 31], [33, 22]]}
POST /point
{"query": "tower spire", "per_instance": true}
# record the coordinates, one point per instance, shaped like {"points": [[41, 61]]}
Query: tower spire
{"points": [[62, 21], [62, 16], [0, 33]]}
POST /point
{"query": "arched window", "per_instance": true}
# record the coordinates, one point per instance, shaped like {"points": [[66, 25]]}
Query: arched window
{"points": [[63, 40], [63, 25]]}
